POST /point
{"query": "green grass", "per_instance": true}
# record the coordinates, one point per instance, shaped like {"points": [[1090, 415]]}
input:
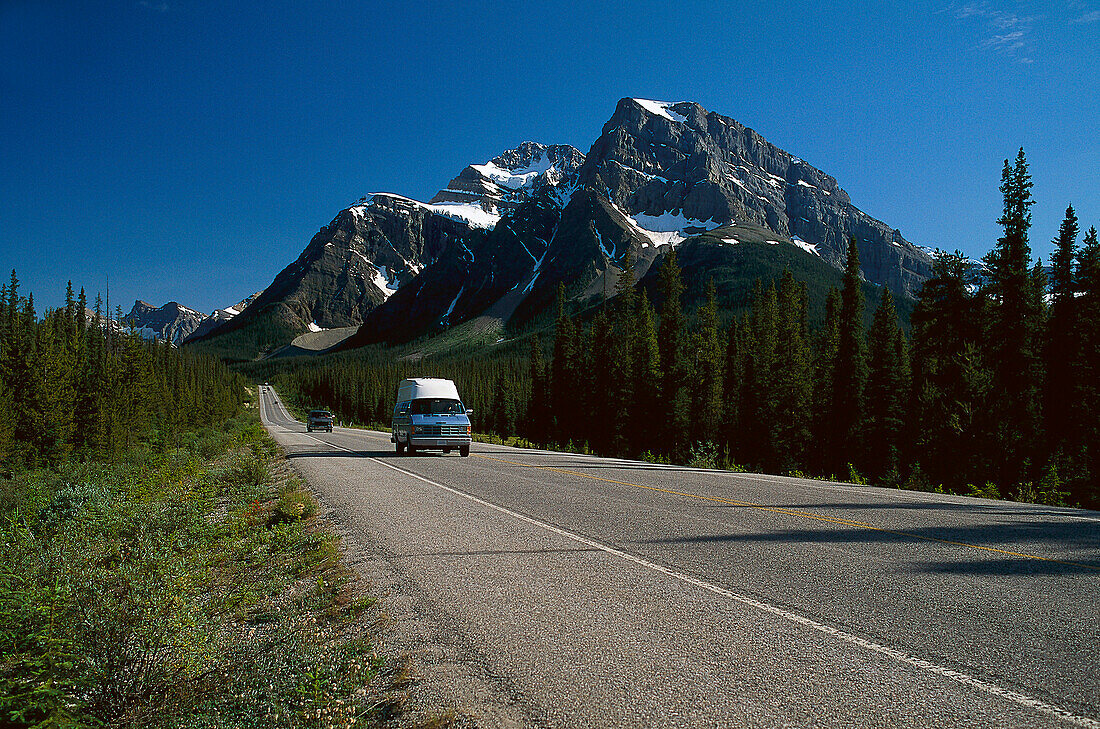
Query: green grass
{"points": [[192, 587]]}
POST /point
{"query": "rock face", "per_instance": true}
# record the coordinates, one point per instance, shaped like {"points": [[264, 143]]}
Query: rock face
{"points": [[381, 243], [220, 316], [172, 322], [486, 273], [659, 174], [506, 181], [501, 237], [656, 158], [359, 259]]}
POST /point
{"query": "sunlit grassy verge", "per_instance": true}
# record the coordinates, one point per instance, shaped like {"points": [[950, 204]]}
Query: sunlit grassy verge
{"points": [[190, 588]]}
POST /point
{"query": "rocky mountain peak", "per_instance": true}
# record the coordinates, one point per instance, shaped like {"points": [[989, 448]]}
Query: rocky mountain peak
{"points": [[656, 158], [172, 322], [496, 242], [510, 178]]}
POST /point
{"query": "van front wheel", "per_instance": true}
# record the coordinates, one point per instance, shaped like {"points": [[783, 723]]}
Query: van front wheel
{"points": [[464, 450], [410, 446]]}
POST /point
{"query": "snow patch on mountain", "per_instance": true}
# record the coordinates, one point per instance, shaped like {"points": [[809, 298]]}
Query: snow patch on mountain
{"points": [[668, 228], [661, 108], [515, 179], [386, 282], [668, 222], [454, 301], [473, 214], [808, 247]]}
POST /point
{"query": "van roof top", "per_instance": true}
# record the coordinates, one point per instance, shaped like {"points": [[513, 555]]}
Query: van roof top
{"points": [[416, 387]]}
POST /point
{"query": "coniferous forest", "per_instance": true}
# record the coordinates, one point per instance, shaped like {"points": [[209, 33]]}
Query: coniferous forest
{"points": [[994, 391], [73, 385]]}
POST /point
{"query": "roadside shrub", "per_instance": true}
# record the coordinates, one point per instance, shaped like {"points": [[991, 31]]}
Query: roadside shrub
{"points": [[149, 592], [854, 476], [989, 491], [703, 454], [293, 504]]}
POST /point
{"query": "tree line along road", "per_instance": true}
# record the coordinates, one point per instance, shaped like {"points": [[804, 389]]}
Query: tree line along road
{"points": [[603, 592]]}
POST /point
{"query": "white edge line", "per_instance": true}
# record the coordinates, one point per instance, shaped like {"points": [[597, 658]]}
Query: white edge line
{"points": [[894, 653], [898, 655]]}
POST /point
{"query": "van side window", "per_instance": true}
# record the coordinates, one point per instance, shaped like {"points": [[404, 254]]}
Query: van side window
{"points": [[401, 409]]}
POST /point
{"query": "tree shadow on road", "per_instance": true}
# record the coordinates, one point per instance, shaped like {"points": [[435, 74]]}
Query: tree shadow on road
{"points": [[1038, 548]]}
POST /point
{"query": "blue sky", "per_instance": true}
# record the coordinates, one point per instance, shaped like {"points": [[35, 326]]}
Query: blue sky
{"points": [[190, 150]]}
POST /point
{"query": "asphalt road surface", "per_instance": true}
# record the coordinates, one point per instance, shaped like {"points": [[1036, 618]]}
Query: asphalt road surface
{"points": [[605, 592]]}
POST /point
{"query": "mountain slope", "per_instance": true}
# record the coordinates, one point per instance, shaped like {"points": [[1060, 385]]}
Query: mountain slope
{"points": [[175, 322], [172, 322], [377, 246], [497, 241], [220, 316], [656, 158], [658, 175]]}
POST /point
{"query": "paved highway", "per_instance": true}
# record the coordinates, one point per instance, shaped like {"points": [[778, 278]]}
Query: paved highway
{"points": [[604, 592]]}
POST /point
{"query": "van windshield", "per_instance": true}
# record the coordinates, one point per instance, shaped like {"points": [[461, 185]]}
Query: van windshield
{"points": [[437, 406]]}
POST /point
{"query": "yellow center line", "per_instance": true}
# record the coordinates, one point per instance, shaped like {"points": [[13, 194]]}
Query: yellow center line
{"points": [[793, 512]]}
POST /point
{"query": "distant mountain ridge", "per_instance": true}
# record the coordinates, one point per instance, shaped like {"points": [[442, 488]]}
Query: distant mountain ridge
{"points": [[499, 238], [174, 322]]}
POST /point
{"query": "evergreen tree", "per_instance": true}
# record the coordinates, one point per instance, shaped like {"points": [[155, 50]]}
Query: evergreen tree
{"points": [[825, 438], [1061, 349], [887, 393], [1015, 333], [952, 383], [538, 414], [70, 319], [504, 406], [619, 356], [760, 403], [793, 381], [733, 388], [1062, 284], [850, 373], [1085, 481], [61, 390], [673, 360], [564, 377], [706, 408], [647, 413], [598, 426]]}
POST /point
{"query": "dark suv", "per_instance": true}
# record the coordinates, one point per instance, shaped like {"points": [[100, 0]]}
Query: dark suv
{"points": [[319, 420]]}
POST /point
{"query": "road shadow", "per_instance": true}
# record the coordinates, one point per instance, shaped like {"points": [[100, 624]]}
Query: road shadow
{"points": [[1006, 567], [1081, 541], [985, 507]]}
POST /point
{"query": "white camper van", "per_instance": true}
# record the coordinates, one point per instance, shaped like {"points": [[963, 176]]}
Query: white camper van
{"points": [[430, 415]]}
